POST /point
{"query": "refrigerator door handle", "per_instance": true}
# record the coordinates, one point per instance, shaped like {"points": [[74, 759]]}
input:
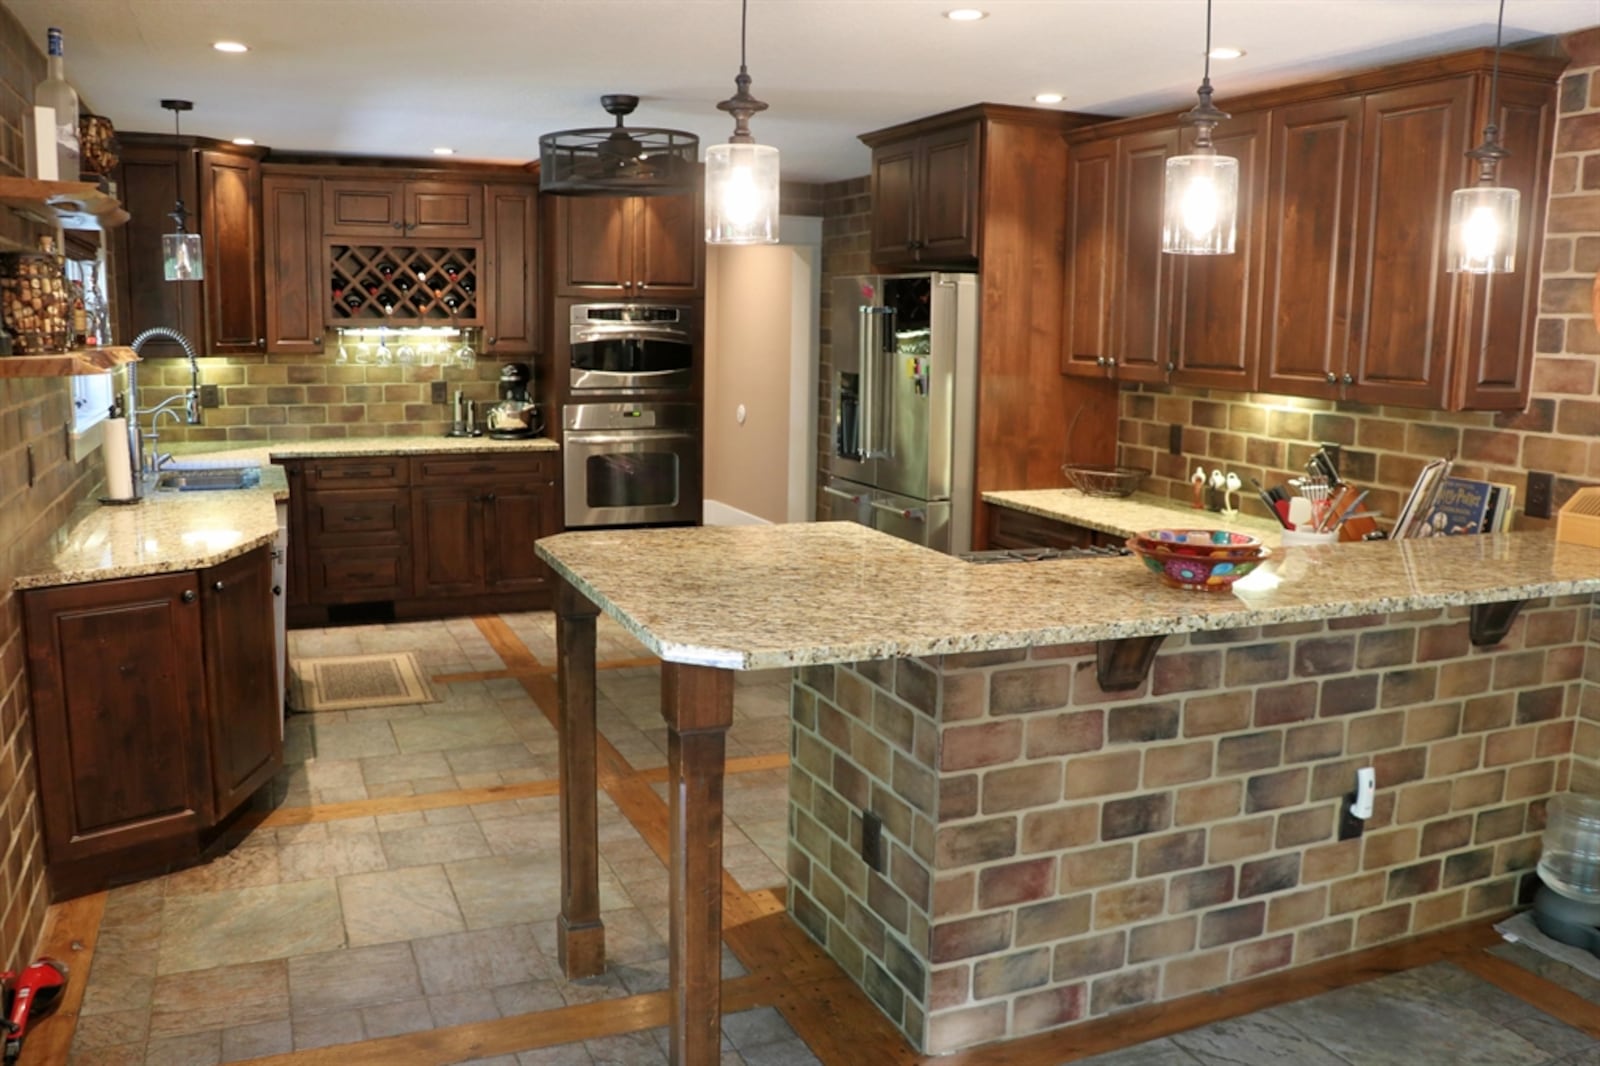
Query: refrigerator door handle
{"points": [[915, 514], [866, 410]]}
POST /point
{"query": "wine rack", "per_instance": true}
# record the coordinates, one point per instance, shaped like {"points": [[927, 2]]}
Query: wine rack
{"points": [[404, 283]]}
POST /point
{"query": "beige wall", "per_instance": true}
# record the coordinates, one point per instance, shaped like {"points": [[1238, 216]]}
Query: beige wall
{"points": [[756, 297]]}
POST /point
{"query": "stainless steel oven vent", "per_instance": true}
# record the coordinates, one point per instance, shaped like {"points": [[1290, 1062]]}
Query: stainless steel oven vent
{"points": [[618, 160]]}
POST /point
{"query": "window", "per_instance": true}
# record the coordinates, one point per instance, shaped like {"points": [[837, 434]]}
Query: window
{"points": [[91, 393]]}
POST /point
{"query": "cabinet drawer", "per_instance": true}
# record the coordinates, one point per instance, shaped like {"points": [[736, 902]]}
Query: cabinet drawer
{"points": [[1019, 529], [358, 575], [475, 469], [356, 473], [357, 516]]}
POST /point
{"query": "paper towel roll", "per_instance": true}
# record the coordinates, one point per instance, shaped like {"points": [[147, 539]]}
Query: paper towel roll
{"points": [[119, 463]]}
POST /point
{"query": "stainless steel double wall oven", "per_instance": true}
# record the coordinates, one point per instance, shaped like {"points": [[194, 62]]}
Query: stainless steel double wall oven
{"points": [[631, 423]]}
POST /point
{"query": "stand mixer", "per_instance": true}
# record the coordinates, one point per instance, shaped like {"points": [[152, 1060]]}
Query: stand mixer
{"points": [[515, 416]]}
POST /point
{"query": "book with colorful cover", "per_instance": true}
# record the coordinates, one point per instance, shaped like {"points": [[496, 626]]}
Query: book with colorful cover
{"points": [[1461, 506]]}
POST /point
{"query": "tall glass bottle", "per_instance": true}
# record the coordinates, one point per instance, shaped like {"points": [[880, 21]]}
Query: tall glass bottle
{"points": [[54, 92]]}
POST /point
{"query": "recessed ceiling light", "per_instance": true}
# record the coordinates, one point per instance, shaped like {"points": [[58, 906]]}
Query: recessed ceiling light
{"points": [[1048, 98], [230, 46], [966, 14], [444, 151], [1224, 52], [244, 140]]}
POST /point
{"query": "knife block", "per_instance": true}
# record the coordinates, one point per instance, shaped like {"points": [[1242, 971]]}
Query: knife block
{"points": [[1579, 519]]}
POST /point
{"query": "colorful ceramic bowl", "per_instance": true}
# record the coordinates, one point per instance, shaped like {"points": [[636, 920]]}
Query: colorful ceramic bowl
{"points": [[1210, 543], [1196, 573]]}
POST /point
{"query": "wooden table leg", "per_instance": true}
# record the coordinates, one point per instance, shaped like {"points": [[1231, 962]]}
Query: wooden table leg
{"points": [[580, 936], [697, 703]]}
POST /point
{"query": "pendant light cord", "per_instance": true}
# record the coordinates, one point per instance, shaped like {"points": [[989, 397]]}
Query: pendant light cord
{"points": [[1494, 77], [1206, 77], [744, 25]]}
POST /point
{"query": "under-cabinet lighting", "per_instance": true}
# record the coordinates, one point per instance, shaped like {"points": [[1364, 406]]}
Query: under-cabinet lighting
{"points": [[966, 14], [244, 141], [231, 47], [1048, 98], [444, 151]]}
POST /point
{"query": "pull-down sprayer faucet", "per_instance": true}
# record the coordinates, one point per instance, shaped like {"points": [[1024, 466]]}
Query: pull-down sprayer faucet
{"points": [[190, 398]]}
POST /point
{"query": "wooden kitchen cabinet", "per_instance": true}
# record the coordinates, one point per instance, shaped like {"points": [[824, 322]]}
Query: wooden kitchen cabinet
{"points": [[156, 714], [925, 190], [291, 216], [230, 239], [1338, 289], [475, 522], [430, 535], [511, 265], [244, 704], [627, 247], [375, 207], [154, 172], [1019, 530], [220, 185]]}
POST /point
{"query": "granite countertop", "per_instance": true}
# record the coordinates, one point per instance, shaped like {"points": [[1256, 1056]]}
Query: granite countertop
{"points": [[752, 597], [173, 531], [1126, 516]]}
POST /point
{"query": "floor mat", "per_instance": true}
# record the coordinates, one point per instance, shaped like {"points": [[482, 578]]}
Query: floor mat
{"points": [[1521, 929], [347, 682]]}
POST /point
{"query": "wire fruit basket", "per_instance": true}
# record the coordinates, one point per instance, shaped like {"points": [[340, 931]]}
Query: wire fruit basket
{"points": [[1107, 481]]}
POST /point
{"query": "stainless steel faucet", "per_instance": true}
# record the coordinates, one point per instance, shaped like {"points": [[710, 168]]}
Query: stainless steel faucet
{"points": [[150, 466]]}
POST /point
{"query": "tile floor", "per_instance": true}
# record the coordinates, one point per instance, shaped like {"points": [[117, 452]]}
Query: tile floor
{"points": [[359, 928]]}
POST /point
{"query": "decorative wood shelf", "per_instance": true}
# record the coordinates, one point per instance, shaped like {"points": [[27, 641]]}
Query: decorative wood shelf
{"points": [[66, 364], [68, 204]]}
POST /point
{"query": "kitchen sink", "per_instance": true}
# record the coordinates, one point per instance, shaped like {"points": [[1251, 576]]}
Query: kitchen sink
{"points": [[209, 479]]}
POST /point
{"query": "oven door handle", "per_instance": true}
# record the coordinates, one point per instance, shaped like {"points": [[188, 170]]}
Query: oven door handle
{"points": [[583, 334], [853, 497], [580, 438]]}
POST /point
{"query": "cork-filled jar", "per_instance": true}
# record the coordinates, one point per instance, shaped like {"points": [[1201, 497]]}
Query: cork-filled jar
{"points": [[35, 302]]}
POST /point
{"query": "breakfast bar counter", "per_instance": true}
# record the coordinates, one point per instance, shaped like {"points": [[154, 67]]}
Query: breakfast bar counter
{"points": [[1087, 790]]}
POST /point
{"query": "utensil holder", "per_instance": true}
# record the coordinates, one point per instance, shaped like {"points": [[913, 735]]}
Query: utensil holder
{"points": [[1297, 537]]}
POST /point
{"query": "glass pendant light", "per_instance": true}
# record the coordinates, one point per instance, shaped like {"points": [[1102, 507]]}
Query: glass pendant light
{"points": [[742, 176], [1483, 217], [1201, 203], [180, 250]]}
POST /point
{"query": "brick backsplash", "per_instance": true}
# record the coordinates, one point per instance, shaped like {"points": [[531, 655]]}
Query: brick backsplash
{"points": [[1383, 448], [1054, 852]]}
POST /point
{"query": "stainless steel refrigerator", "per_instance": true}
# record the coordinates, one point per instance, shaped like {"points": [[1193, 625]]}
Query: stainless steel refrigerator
{"points": [[904, 387]]}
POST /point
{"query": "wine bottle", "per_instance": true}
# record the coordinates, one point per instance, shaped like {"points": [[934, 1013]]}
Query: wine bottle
{"points": [[54, 92]]}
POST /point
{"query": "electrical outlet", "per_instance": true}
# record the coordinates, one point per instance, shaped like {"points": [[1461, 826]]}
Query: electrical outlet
{"points": [[1537, 502], [872, 840], [210, 396], [439, 392], [1175, 439]]}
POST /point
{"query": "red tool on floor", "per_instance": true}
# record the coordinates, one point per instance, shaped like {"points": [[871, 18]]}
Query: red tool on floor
{"points": [[25, 998]]}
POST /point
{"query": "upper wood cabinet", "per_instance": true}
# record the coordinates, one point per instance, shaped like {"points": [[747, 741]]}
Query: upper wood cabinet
{"points": [[154, 172], [291, 216], [230, 237], [627, 247], [1338, 288], [925, 189], [511, 267], [447, 210]]}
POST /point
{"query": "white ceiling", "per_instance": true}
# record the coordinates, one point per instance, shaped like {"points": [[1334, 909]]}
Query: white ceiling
{"points": [[487, 77]]}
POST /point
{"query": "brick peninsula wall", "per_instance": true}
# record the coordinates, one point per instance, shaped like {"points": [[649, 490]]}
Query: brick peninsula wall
{"points": [[1052, 852]]}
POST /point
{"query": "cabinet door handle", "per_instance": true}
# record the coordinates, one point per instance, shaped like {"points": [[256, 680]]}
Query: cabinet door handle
{"points": [[1333, 379], [218, 586], [1171, 366], [188, 596], [277, 590], [397, 224], [1349, 379], [494, 340]]}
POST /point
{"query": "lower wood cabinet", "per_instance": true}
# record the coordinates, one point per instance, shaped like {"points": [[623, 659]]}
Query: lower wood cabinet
{"points": [[156, 714], [1010, 528], [432, 535]]}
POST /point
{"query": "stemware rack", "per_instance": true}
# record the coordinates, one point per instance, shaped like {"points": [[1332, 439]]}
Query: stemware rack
{"points": [[404, 283]]}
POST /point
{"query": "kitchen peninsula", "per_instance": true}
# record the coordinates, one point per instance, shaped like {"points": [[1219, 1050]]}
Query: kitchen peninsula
{"points": [[1029, 795]]}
